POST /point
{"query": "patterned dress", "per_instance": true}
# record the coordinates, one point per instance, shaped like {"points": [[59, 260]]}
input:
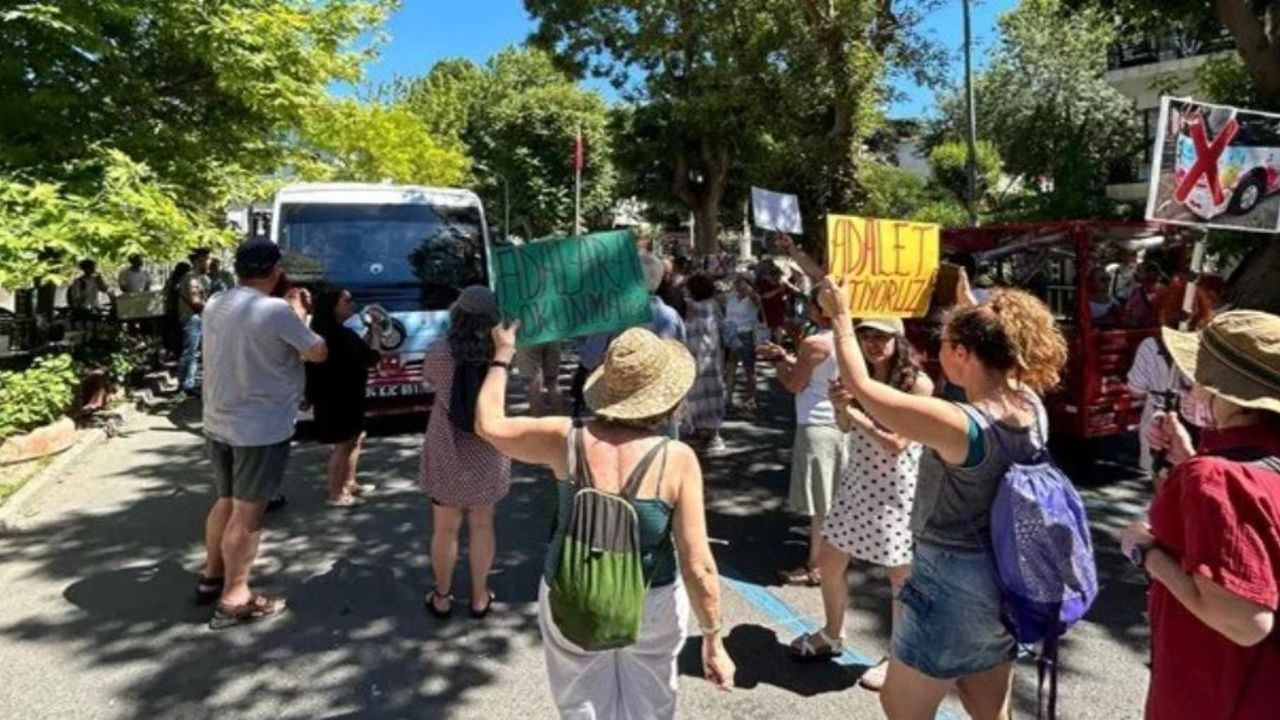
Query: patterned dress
{"points": [[704, 405], [870, 517], [458, 468]]}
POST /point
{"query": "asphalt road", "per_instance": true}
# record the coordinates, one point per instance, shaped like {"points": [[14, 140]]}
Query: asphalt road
{"points": [[96, 619]]}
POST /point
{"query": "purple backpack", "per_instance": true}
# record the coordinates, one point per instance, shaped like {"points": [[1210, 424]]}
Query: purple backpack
{"points": [[1043, 555]]}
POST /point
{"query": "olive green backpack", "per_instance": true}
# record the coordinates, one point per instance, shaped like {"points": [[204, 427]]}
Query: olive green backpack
{"points": [[598, 589]]}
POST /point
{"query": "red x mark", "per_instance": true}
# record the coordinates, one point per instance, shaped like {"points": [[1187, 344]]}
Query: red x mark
{"points": [[1206, 160]]}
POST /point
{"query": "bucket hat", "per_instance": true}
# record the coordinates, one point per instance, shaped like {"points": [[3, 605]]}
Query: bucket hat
{"points": [[1236, 356]]}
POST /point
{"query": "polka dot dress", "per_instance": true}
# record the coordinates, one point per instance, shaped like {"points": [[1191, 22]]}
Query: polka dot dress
{"points": [[870, 515]]}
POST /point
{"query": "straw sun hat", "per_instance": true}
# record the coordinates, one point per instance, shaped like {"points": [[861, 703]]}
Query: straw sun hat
{"points": [[642, 377], [1237, 357]]}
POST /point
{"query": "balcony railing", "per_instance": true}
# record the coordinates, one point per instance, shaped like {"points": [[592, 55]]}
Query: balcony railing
{"points": [[1148, 51]]}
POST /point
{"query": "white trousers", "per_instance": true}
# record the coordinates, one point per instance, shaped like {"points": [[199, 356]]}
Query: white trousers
{"points": [[637, 682]]}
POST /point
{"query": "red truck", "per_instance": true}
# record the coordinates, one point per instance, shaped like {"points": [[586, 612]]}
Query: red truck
{"points": [[1057, 262]]}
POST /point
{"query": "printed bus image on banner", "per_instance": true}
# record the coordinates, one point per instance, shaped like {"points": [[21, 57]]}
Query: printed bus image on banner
{"points": [[889, 264], [1215, 166]]}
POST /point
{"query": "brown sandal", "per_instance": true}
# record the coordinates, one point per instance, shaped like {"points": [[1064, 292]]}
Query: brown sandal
{"points": [[258, 608], [208, 590]]}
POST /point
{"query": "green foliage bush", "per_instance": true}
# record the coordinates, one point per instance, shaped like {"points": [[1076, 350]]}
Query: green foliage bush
{"points": [[37, 395]]}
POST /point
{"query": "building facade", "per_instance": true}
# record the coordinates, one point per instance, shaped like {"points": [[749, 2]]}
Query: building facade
{"points": [[1144, 70]]}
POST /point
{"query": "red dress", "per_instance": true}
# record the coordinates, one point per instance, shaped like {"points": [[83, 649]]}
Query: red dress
{"points": [[774, 308], [1222, 520], [458, 468]]}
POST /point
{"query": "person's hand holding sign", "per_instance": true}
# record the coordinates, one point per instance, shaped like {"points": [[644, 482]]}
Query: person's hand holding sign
{"points": [[504, 341], [833, 298]]}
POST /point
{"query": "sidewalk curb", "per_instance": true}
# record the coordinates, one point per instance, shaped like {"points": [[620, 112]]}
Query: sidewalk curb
{"points": [[11, 512]]}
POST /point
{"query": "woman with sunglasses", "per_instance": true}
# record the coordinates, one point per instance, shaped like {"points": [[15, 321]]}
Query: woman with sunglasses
{"points": [[1004, 355]]}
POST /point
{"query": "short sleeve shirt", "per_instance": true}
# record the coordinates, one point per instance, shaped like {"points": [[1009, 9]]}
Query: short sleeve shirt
{"points": [[666, 322], [253, 369], [1221, 520], [201, 280]]}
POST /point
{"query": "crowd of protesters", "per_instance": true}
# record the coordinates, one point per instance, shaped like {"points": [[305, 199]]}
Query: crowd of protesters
{"points": [[890, 465]]}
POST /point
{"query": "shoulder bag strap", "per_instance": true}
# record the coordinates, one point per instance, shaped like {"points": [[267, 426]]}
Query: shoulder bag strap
{"points": [[991, 426], [632, 485], [579, 470]]}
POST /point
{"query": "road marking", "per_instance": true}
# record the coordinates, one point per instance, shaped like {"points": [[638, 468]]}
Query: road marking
{"points": [[780, 613]]}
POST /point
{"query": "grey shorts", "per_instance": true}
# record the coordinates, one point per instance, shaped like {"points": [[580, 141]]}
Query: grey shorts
{"points": [[247, 473]]}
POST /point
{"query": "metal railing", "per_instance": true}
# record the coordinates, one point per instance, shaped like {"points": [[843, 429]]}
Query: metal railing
{"points": [[1147, 51]]}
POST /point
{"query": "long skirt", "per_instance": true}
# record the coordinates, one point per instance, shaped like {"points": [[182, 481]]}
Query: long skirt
{"points": [[637, 682]]}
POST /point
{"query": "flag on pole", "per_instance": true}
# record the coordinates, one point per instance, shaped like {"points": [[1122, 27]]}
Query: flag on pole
{"points": [[577, 181]]}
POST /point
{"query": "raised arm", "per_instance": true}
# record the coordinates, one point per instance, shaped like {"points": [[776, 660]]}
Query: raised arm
{"points": [[538, 441], [795, 371], [936, 423], [787, 246]]}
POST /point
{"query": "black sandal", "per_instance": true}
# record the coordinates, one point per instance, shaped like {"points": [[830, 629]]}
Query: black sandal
{"points": [[208, 590], [483, 612], [436, 612]]}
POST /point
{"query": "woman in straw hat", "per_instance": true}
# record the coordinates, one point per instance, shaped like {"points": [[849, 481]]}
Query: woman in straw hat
{"points": [[1212, 548], [633, 394]]}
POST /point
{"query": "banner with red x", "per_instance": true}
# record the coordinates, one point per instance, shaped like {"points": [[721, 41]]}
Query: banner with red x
{"points": [[1207, 155], [1214, 166]]}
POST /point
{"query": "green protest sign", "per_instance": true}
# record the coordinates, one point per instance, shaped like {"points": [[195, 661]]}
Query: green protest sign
{"points": [[572, 286]]}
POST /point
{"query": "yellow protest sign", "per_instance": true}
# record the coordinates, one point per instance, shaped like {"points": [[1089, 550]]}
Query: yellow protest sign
{"points": [[891, 264]]}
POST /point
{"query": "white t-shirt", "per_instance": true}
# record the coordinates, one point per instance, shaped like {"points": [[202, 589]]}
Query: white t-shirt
{"points": [[253, 376], [1151, 374], [742, 314], [134, 281]]}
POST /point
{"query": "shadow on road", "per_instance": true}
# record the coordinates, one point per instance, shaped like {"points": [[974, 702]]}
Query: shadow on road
{"points": [[356, 631]]}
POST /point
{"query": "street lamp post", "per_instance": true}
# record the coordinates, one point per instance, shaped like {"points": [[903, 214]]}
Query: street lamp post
{"points": [[506, 199], [971, 162]]}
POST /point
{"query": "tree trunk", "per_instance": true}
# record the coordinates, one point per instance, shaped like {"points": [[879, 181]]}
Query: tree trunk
{"points": [[1253, 286], [1260, 54], [703, 197], [706, 228]]}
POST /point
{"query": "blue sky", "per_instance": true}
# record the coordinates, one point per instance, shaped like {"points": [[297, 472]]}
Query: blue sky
{"points": [[424, 31]]}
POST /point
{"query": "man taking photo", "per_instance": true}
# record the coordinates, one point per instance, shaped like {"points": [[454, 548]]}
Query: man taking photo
{"points": [[254, 349]]}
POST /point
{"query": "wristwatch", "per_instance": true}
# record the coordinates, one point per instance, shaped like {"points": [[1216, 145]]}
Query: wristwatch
{"points": [[1138, 556]]}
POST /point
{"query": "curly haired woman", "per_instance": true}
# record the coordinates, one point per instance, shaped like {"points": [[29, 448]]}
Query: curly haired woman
{"points": [[1004, 354]]}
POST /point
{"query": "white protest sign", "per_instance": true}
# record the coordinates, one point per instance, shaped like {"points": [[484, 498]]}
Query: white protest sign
{"points": [[776, 211]]}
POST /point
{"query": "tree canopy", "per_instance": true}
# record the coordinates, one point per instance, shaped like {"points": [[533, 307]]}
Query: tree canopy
{"points": [[1044, 105], [517, 117], [190, 104]]}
